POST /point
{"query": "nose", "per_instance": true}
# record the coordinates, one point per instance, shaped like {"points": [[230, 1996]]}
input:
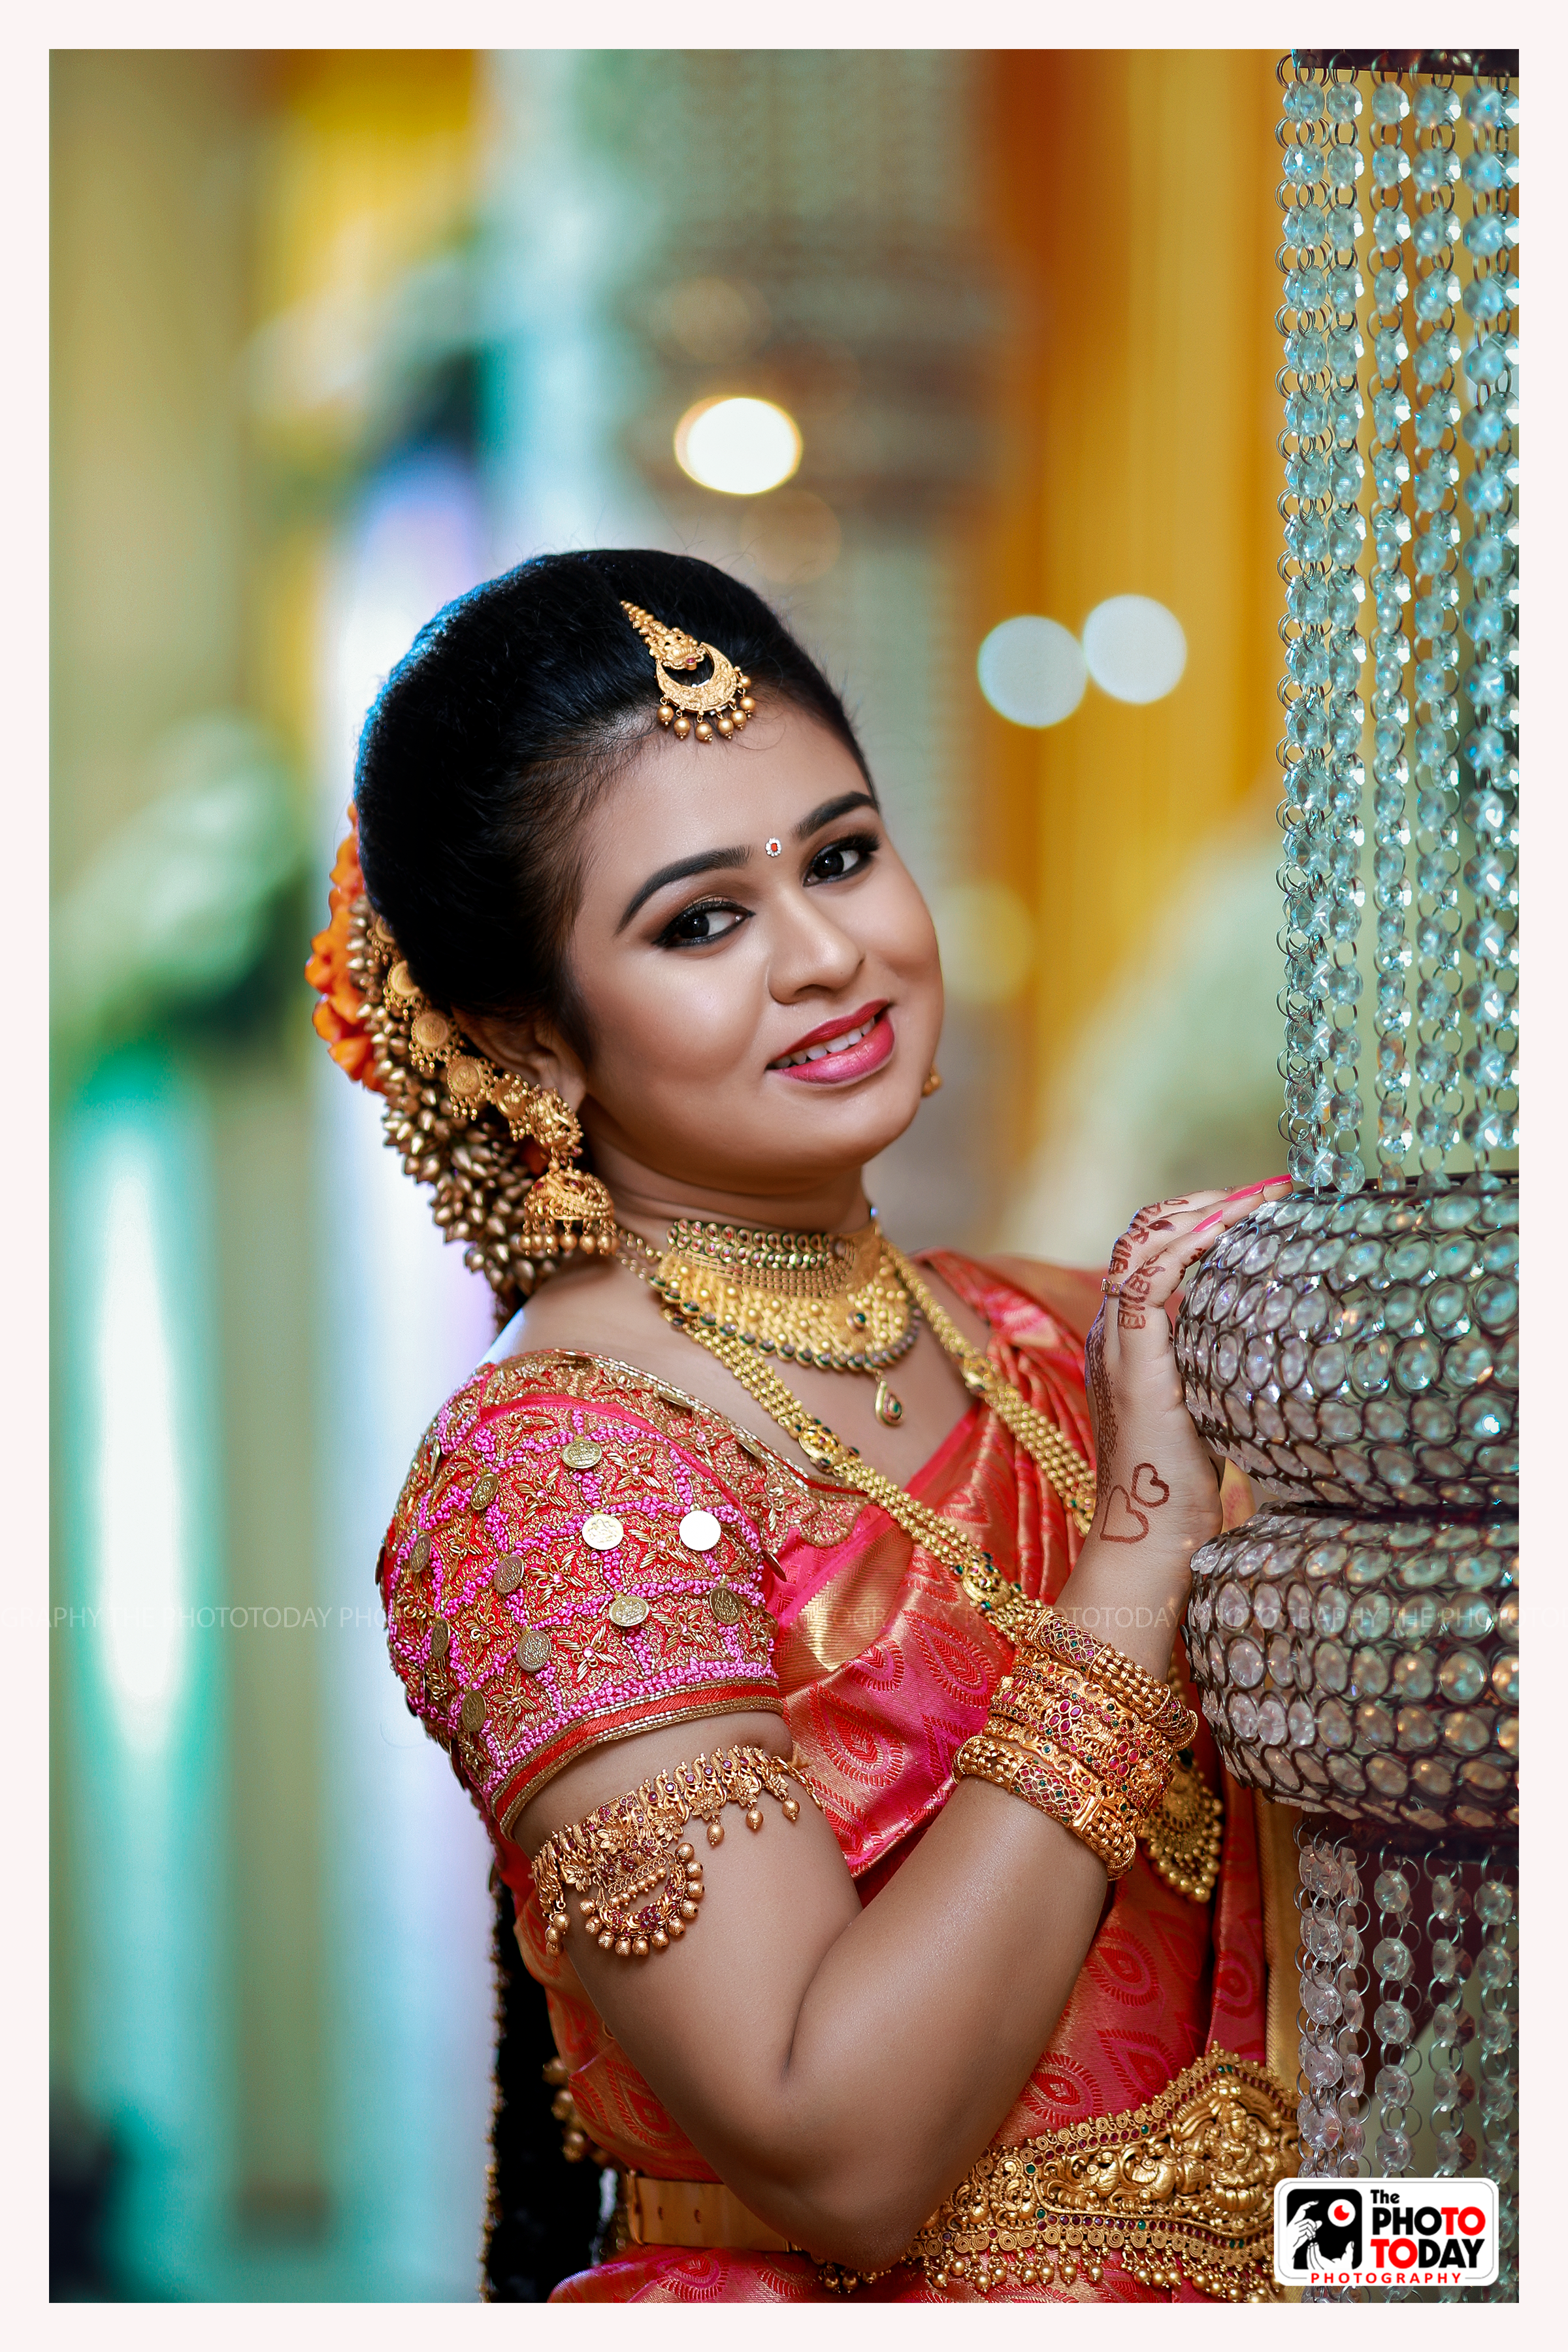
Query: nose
{"points": [[812, 951]]}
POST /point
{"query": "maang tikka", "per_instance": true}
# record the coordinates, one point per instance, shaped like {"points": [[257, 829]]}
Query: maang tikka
{"points": [[721, 704]]}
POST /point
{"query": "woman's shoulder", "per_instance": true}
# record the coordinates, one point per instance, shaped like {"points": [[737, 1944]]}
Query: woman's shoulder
{"points": [[521, 1421], [1023, 1297], [579, 1550]]}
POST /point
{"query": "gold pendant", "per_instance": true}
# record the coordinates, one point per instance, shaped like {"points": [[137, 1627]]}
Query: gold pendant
{"points": [[889, 1408]]}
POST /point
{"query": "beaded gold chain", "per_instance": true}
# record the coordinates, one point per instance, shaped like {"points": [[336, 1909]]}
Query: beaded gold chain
{"points": [[975, 1569]]}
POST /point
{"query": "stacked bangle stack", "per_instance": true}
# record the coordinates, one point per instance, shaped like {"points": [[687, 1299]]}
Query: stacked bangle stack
{"points": [[1082, 1733]]}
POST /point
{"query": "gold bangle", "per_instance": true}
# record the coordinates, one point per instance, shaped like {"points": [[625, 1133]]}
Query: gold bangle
{"points": [[638, 1881], [1153, 1701], [1061, 1789], [1136, 1773], [1064, 1705]]}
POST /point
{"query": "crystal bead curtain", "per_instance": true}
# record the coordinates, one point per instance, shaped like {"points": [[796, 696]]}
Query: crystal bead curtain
{"points": [[1354, 1349], [1399, 219]]}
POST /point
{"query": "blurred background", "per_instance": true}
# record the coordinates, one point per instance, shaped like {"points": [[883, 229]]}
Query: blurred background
{"points": [[966, 359]]}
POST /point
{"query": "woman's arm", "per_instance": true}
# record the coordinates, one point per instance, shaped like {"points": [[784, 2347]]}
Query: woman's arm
{"points": [[840, 2066]]}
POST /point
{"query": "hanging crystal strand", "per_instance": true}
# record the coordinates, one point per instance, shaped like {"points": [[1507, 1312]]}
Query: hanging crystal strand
{"points": [[1452, 2028], [1491, 299], [1391, 646], [1497, 1973], [1305, 688], [1318, 1894], [1328, 1896], [1350, 1918], [1340, 892], [1395, 2026], [1437, 774]]}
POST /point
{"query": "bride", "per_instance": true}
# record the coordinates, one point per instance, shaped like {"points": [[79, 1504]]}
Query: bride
{"points": [[900, 1936]]}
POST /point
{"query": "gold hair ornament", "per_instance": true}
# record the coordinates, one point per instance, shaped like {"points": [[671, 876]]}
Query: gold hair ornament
{"points": [[437, 1089], [721, 704]]}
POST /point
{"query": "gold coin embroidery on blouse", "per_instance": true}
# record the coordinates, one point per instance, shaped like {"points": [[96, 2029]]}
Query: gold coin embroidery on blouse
{"points": [[700, 1530], [534, 1651], [509, 1574], [750, 1445], [601, 1532], [724, 1605], [419, 1557], [582, 1455], [440, 1638], [627, 1610], [472, 1713], [485, 1491]]}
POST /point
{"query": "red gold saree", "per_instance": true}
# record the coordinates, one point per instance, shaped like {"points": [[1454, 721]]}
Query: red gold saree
{"points": [[1138, 2162]]}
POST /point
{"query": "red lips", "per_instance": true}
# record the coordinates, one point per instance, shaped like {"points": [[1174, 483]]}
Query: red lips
{"points": [[850, 1062], [833, 1029]]}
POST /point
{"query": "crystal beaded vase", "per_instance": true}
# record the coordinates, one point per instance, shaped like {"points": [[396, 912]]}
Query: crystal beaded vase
{"points": [[1364, 1352], [1365, 1666]]}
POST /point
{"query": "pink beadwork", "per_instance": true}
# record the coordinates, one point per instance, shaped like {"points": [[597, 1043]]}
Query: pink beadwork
{"points": [[519, 1641]]}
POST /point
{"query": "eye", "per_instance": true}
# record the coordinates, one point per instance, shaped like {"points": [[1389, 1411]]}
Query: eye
{"points": [[699, 925], [839, 859]]}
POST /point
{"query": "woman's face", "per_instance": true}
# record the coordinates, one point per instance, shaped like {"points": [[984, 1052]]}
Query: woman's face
{"points": [[759, 972]]}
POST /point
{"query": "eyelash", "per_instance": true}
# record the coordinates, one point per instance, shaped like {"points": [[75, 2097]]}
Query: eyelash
{"points": [[866, 844]]}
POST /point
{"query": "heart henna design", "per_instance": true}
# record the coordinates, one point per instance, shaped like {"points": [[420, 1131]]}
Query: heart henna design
{"points": [[1148, 1487], [1123, 1522]]}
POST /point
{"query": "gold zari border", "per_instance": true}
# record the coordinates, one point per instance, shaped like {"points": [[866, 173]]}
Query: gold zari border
{"points": [[1181, 2188]]}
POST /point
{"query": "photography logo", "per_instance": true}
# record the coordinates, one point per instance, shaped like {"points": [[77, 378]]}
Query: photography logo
{"points": [[1385, 2233]]}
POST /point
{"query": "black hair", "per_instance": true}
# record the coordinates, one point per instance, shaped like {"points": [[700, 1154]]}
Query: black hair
{"points": [[511, 712]]}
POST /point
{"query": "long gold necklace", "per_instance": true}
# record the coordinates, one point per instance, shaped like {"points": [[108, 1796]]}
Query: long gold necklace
{"points": [[977, 1572], [1183, 1840]]}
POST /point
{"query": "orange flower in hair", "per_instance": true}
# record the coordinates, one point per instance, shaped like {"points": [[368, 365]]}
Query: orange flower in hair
{"points": [[339, 1018]]}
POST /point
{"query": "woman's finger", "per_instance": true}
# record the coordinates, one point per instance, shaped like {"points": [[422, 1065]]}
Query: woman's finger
{"points": [[1152, 1229], [1159, 1217], [1153, 1280]]}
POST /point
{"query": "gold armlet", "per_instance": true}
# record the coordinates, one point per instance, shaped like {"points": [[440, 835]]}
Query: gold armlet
{"points": [[1059, 1786], [636, 1877]]}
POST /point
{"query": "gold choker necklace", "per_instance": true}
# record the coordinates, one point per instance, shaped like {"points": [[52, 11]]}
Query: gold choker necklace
{"points": [[833, 1300]]}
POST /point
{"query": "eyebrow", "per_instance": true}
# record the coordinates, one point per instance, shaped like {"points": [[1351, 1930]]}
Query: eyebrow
{"points": [[829, 811], [707, 861]]}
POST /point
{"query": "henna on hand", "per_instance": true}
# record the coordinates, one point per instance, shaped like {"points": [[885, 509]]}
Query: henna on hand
{"points": [[1105, 1422], [1126, 1509], [1132, 1299]]}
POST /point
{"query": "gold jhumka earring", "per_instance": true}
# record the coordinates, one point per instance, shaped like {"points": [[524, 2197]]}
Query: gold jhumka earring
{"points": [[721, 704], [517, 1224]]}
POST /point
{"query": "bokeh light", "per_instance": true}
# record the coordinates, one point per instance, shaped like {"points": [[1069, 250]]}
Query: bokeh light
{"points": [[987, 939], [1032, 670], [1136, 649], [738, 445]]}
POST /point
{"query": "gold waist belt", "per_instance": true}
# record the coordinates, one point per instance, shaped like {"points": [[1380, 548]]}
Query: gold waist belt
{"points": [[1181, 2188]]}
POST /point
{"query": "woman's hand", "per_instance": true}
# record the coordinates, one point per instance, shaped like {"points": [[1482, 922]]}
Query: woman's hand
{"points": [[1159, 1497]]}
